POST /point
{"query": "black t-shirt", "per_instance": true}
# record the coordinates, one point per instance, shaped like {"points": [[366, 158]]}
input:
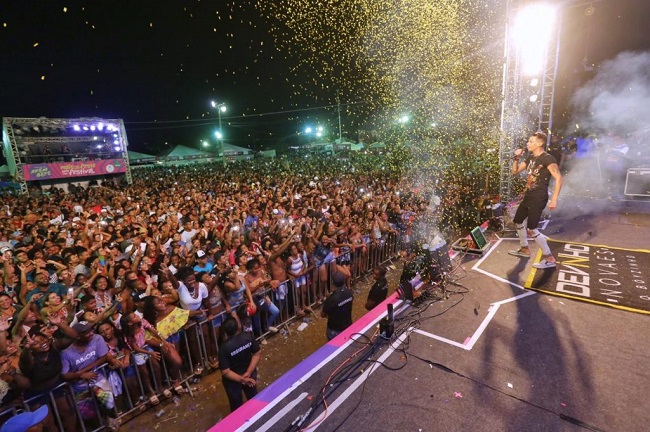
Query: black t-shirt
{"points": [[236, 353], [338, 308], [378, 291], [41, 371], [538, 175]]}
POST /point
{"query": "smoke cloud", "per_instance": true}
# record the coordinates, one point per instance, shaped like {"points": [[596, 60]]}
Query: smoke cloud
{"points": [[617, 98], [613, 109]]}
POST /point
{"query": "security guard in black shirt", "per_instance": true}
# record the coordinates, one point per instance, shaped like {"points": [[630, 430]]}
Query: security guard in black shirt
{"points": [[338, 307], [238, 358]]}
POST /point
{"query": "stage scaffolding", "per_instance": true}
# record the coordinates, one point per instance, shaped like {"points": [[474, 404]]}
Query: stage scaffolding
{"points": [[520, 115], [21, 135]]}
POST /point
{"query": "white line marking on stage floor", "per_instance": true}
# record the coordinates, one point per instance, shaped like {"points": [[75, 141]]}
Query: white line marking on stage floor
{"points": [[364, 376], [494, 307], [320, 365], [491, 275], [273, 420]]}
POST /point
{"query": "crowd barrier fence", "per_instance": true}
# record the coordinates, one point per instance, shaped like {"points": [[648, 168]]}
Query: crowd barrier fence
{"points": [[198, 346]]}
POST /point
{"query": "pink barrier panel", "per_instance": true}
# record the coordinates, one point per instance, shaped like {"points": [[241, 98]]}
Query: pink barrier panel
{"points": [[55, 170]]}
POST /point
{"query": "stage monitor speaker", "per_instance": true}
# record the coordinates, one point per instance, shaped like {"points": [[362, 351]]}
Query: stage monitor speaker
{"points": [[479, 239], [637, 182]]}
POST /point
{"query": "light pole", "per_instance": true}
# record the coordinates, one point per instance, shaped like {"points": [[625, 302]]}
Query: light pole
{"points": [[221, 107]]}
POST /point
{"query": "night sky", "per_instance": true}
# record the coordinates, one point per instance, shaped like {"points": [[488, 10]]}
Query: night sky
{"points": [[163, 61]]}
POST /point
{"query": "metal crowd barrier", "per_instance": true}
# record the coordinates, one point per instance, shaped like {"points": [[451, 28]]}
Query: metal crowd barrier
{"points": [[199, 341]]}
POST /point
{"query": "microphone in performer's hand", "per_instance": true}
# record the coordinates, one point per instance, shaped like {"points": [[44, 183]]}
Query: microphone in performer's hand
{"points": [[519, 153]]}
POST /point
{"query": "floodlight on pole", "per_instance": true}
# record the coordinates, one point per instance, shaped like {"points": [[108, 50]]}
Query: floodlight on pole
{"points": [[533, 30], [221, 108]]}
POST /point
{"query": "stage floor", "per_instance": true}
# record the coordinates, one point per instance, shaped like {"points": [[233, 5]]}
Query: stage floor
{"points": [[497, 357]]}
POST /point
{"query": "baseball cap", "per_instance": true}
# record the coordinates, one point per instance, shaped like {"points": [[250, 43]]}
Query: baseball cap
{"points": [[200, 254], [25, 420], [4, 249], [82, 327]]}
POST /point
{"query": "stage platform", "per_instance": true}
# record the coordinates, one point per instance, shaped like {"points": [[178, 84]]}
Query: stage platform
{"points": [[494, 356]]}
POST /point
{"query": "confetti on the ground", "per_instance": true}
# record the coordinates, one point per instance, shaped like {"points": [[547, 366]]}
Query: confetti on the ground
{"points": [[510, 385], [563, 404], [458, 395]]}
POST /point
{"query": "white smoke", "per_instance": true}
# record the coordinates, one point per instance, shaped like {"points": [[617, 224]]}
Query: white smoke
{"points": [[617, 99], [613, 107]]}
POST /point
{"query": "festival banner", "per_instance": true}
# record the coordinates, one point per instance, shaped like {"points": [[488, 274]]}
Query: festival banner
{"points": [[605, 275], [57, 170]]}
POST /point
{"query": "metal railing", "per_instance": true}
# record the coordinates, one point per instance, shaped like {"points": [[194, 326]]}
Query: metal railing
{"points": [[198, 347]]}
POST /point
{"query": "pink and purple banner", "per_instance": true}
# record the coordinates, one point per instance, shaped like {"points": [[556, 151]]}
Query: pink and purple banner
{"points": [[56, 170]]}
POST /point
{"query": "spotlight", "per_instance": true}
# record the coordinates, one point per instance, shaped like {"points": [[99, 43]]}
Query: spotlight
{"points": [[534, 82], [98, 146], [116, 148], [94, 138], [76, 128], [533, 98], [92, 128], [116, 142], [532, 32], [100, 126], [85, 128], [308, 130]]}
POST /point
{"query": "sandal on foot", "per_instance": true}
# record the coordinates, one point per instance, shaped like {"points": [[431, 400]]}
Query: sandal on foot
{"points": [[521, 252]]}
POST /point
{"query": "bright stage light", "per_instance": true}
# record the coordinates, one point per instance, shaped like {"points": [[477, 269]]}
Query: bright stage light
{"points": [[85, 128], [116, 142], [308, 130], [533, 98], [223, 108], [116, 148], [92, 128], [534, 82], [99, 146], [404, 119], [76, 128], [532, 33], [320, 129], [100, 126], [218, 134], [319, 134]]}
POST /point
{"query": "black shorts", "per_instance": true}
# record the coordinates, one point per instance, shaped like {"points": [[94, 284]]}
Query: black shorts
{"points": [[531, 207]]}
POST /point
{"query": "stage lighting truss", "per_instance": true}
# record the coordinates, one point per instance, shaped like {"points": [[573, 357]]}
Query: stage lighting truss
{"points": [[532, 41], [20, 133]]}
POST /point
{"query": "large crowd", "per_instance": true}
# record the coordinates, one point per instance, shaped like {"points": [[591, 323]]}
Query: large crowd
{"points": [[99, 283]]}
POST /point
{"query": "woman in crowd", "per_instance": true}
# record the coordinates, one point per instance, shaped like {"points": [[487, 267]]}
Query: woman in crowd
{"points": [[168, 320]]}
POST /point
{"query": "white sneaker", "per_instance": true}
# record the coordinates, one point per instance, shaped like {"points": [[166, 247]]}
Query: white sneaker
{"points": [[264, 342], [544, 264], [273, 329]]}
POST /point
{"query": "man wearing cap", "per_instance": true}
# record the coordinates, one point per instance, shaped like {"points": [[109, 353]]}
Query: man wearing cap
{"points": [[338, 306], [79, 360], [27, 421], [202, 263]]}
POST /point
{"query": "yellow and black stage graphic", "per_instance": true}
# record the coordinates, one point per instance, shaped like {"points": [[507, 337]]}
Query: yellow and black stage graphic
{"points": [[600, 274]]}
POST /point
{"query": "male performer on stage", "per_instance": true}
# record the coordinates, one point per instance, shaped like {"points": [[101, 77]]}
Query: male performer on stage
{"points": [[539, 166]]}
